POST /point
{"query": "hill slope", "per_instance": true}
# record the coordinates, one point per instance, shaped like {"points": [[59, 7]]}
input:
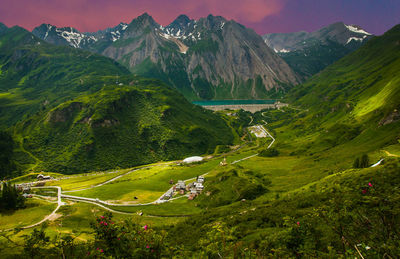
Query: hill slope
{"points": [[71, 115], [309, 53], [352, 107], [35, 75]]}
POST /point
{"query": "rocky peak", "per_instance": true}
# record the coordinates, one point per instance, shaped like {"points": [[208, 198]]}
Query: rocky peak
{"points": [[3, 28], [144, 20]]}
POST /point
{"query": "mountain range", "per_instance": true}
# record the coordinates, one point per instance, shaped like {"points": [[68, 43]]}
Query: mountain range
{"points": [[209, 58], [308, 53], [68, 111]]}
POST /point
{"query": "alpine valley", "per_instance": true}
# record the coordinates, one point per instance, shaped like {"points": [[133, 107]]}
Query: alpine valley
{"points": [[104, 154]]}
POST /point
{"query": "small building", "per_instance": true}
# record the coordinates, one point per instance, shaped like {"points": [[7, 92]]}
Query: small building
{"points": [[199, 187], [200, 179], [192, 196], [189, 186], [42, 177], [180, 185], [223, 162]]}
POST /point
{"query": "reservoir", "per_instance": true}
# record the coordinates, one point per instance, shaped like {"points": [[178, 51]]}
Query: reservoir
{"points": [[247, 105], [233, 102]]}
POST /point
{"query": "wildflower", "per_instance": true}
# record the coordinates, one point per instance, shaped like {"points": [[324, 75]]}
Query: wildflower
{"points": [[145, 227], [102, 217], [152, 250], [147, 246], [101, 222], [364, 191], [298, 223], [370, 184], [97, 248], [105, 224], [101, 251], [367, 248]]}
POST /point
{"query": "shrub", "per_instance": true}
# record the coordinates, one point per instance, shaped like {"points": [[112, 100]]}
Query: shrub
{"points": [[269, 152]]}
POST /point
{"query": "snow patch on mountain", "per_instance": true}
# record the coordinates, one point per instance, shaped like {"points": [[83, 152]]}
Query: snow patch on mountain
{"points": [[354, 38], [356, 29]]}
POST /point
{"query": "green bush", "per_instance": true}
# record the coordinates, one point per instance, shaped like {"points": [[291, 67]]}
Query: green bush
{"points": [[269, 152]]}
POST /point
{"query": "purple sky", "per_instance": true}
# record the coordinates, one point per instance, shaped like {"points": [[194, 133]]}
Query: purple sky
{"points": [[264, 16]]}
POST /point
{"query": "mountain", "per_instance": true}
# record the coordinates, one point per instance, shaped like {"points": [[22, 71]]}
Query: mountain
{"points": [[209, 58], [3, 28], [71, 110], [356, 100], [309, 53], [35, 75], [68, 36]]}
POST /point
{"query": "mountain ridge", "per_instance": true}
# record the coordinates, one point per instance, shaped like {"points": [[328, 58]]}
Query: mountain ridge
{"points": [[187, 52], [307, 53]]}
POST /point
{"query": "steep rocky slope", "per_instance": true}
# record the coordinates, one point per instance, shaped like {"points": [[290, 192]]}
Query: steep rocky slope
{"points": [[209, 58]]}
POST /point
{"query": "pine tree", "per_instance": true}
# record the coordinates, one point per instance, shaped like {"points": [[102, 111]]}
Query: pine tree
{"points": [[356, 163], [364, 162]]}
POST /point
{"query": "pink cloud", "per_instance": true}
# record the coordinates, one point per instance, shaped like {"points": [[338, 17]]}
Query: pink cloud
{"points": [[92, 15]]}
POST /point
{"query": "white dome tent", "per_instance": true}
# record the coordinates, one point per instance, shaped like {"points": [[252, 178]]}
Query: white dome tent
{"points": [[192, 159]]}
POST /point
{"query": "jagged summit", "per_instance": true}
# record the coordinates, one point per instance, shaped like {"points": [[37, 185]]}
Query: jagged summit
{"points": [[202, 58]]}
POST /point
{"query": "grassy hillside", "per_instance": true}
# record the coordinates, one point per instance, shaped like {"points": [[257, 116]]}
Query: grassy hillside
{"points": [[353, 105], [122, 126], [70, 111], [35, 75]]}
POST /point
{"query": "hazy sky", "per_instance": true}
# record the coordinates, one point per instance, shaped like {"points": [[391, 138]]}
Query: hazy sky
{"points": [[264, 16]]}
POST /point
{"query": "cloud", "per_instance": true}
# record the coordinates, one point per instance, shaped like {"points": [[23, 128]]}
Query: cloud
{"points": [[245, 10], [91, 15]]}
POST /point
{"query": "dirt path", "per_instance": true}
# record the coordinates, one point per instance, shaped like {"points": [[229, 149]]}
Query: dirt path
{"points": [[390, 154], [51, 216], [54, 213]]}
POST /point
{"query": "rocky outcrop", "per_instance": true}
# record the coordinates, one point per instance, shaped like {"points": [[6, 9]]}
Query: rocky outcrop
{"points": [[392, 117]]}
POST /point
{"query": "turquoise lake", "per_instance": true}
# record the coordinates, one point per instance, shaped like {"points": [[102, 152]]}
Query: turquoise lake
{"points": [[233, 102]]}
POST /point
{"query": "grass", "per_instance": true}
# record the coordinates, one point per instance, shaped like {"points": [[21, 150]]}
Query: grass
{"points": [[35, 211], [180, 207], [147, 184], [81, 181]]}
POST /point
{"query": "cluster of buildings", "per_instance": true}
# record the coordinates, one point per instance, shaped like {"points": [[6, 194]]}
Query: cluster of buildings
{"points": [[42, 177], [191, 190]]}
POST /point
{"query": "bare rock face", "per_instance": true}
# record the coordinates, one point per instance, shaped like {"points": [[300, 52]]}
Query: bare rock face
{"points": [[209, 58], [205, 59], [65, 113], [392, 117]]}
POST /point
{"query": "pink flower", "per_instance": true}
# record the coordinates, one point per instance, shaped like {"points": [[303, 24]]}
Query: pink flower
{"points": [[102, 222], [147, 246], [102, 217], [97, 248], [298, 223], [105, 224], [145, 227], [101, 251], [370, 184], [364, 191]]}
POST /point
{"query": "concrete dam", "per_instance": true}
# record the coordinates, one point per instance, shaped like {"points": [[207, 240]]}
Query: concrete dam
{"points": [[247, 105]]}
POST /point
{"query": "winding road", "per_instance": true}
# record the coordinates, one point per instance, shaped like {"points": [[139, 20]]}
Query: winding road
{"points": [[104, 204]]}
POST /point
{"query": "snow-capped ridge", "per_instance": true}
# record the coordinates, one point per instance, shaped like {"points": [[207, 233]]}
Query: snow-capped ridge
{"points": [[356, 29]]}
